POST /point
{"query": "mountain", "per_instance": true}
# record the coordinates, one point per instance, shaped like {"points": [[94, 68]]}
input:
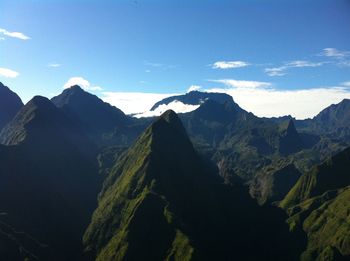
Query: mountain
{"points": [[290, 141], [95, 116], [333, 121], [319, 204], [162, 201], [10, 104], [48, 184], [194, 98]]}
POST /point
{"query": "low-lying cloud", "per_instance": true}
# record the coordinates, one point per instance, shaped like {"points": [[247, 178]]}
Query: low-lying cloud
{"points": [[177, 106], [133, 102], [301, 104]]}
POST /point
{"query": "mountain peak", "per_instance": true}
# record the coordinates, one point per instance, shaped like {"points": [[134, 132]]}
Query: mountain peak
{"points": [[10, 104], [40, 101], [169, 128], [89, 111], [172, 119], [75, 87]]}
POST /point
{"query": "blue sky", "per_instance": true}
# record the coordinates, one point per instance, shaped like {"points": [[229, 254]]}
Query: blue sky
{"points": [[131, 53]]}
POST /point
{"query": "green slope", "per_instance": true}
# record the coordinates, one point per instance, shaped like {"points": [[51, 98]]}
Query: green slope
{"points": [[319, 204], [161, 201]]}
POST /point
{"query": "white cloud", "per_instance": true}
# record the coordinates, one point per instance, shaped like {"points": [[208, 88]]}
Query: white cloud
{"points": [[2, 38], [54, 65], [334, 53], [302, 104], [193, 88], [177, 106], [133, 102], [280, 71], [8, 73], [229, 64], [17, 35], [242, 84], [83, 83]]}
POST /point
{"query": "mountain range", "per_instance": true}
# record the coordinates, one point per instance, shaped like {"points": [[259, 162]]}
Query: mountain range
{"points": [[80, 180]]}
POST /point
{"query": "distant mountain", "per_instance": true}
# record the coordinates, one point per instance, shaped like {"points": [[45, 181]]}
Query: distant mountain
{"points": [[95, 116], [161, 201], [10, 104], [333, 121], [290, 141], [319, 204], [48, 184], [195, 98]]}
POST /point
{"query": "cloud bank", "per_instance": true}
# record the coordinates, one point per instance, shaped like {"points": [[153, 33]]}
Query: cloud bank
{"points": [[263, 102], [301, 104], [133, 102]]}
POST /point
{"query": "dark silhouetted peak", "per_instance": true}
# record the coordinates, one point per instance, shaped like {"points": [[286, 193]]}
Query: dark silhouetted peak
{"points": [[40, 120], [173, 120], [195, 98], [40, 102], [10, 104], [287, 128], [93, 114], [290, 141], [76, 88]]}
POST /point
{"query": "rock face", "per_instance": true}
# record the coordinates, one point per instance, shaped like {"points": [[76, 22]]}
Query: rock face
{"points": [[10, 104], [48, 184], [161, 201]]}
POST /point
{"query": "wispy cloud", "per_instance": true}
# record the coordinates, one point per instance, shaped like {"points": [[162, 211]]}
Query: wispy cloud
{"points": [[334, 53], [83, 83], [193, 88], [17, 35], [229, 64], [8, 73], [281, 70], [242, 83], [54, 65], [276, 71]]}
